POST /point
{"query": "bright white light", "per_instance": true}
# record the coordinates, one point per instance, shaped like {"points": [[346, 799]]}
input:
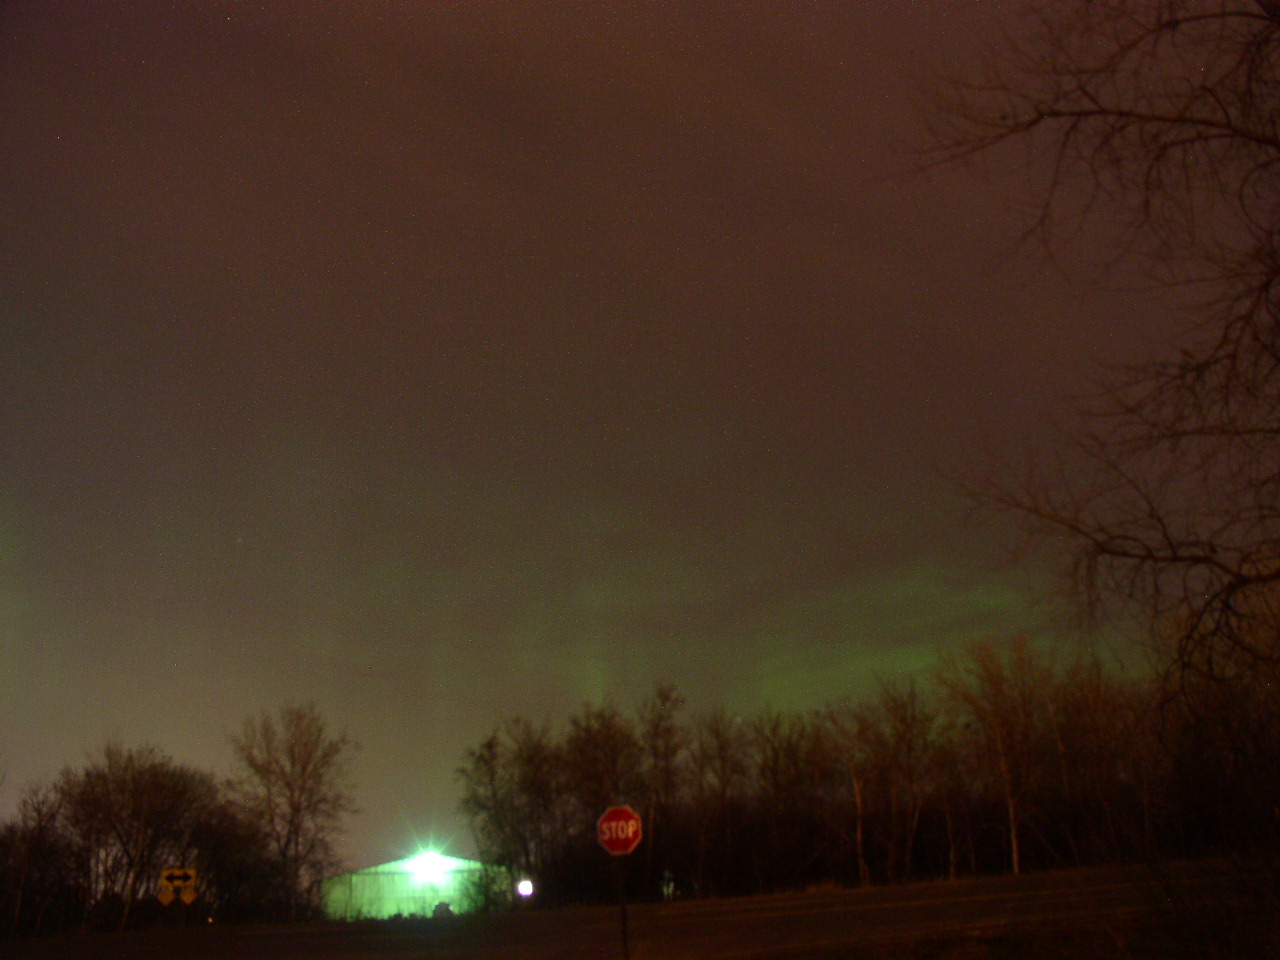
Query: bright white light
{"points": [[525, 888], [431, 867]]}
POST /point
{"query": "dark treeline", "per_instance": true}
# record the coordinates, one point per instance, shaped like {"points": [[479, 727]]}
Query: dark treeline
{"points": [[1006, 760], [88, 849]]}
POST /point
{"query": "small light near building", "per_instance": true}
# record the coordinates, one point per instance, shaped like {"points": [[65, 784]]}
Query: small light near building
{"points": [[525, 888]]}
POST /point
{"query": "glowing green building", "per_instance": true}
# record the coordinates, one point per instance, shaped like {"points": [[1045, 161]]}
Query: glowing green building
{"points": [[414, 887]]}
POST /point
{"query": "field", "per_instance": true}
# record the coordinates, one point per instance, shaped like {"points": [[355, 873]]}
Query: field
{"points": [[1138, 912]]}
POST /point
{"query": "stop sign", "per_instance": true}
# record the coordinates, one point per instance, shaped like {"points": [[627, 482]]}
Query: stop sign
{"points": [[618, 830]]}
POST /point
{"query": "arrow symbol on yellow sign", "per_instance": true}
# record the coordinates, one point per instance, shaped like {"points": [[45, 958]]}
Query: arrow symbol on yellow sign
{"points": [[177, 882]]}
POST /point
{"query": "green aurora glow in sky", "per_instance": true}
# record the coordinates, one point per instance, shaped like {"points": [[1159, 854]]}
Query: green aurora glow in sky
{"points": [[446, 361]]}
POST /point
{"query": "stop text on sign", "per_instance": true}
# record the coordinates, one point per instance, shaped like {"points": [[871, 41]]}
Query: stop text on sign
{"points": [[619, 830]]}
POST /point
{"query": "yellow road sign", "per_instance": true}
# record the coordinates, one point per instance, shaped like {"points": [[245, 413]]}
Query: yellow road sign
{"points": [[177, 882]]}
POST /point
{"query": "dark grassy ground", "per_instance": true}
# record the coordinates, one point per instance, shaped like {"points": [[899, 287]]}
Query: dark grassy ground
{"points": [[1136, 913]]}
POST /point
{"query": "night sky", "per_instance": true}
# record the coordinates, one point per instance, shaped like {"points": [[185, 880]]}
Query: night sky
{"points": [[442, 361]]}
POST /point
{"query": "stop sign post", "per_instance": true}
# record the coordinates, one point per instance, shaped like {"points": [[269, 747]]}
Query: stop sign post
{"points": [[618, 830]]}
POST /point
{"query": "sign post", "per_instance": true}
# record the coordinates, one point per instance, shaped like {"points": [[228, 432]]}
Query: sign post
{"points": [[619, 831]]}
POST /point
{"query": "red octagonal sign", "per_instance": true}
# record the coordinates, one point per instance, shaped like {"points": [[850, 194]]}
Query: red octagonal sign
{"points": [[618, 830]]}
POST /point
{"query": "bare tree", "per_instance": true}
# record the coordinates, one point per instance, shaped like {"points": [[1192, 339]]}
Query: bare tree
{"points": [[718, 757], [910, 746], [603, 761], [780, 755], [295, 779], [1162, 117], [131, 813], [663, 744], [514, 792], [852, 728], [1002, 694], [954, 795], [37, 872], [1010, 761]]}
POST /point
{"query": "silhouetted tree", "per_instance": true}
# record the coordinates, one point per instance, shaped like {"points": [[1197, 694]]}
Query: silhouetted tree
{"points": [[954, 796], [240, 876], [778, 751], [1011, 761], [603, 758], [852, 729], [1162, 117], [1001, 695], [515, 794], [39, 887], [909, 747], [129, 814], [718, 757], [663, 744], [295, 781]]}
